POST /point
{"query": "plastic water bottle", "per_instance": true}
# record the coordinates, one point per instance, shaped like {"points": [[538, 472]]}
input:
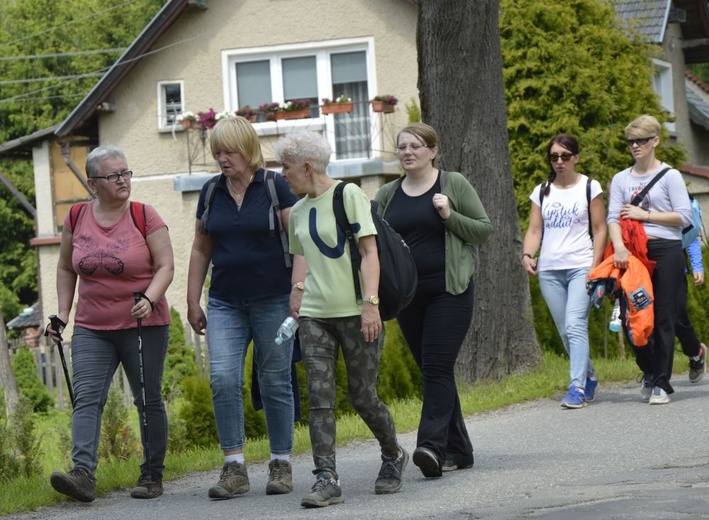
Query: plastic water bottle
{"points": [[615, 324], [287, 330]]}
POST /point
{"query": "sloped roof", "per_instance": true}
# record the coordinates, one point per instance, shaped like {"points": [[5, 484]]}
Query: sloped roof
{"points": [[645, 17], [697, 99], [27, 318]]}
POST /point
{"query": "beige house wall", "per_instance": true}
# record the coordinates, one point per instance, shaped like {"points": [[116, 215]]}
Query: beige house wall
{"points": [[192, 52]]}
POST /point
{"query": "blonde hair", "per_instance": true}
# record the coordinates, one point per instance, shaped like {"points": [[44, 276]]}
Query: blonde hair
{"points": [[236, 134], [423, 132], [644, 126]]}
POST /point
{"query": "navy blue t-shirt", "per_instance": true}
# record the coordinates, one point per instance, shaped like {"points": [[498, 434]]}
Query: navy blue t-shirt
{"points": [[247, 262]]}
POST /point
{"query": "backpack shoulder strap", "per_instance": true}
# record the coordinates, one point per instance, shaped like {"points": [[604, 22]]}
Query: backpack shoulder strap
{"points": [[137, 213], [338, 207], [274, 214], [640, 196], [208, 198], [588, 200], [74, 214]]}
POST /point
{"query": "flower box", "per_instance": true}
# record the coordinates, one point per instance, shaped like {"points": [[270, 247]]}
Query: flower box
{"points": [[382, 106], [188, 123], [293, 114], [337, 108]]}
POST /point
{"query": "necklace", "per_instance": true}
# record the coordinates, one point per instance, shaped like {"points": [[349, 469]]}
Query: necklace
{"points": [[239, 195]]}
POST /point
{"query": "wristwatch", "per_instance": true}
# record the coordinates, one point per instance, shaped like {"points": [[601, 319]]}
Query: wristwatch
{"points": [[374, 300], [299, 285]]}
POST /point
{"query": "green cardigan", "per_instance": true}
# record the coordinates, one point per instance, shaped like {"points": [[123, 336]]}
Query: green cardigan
{"points": [[467, 226]]}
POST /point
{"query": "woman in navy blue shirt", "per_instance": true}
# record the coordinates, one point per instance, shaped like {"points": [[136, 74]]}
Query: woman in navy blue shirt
{"points": [[248, 299]]}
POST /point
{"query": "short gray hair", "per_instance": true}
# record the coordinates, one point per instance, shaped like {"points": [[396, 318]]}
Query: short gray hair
{"points": [[304, 145], [98, 156]]}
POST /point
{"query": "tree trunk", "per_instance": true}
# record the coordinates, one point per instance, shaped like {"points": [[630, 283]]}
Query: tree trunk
{"points": [[7, 378], [462, 96]]}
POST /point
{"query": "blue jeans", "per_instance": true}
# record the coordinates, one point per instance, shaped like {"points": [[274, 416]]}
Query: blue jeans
{"points": [[565, 293], [230, 329], [95, 356]]}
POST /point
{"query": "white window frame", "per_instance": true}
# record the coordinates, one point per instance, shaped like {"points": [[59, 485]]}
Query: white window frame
{"points": [[322, 51], [162, 104], [662, 77]]}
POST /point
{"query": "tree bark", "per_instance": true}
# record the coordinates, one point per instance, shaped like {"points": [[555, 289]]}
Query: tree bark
{"points": [[7, 378], [462, 96]]}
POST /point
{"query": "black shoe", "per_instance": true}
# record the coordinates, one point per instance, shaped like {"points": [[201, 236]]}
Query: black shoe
{"points": [[456, 462], [147, 487], [389, 479], [78, 484], [427, 462]]}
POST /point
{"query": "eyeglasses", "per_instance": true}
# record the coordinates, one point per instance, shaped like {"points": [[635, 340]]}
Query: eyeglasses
{"points": [[641, 141], [411, 146], [566, 157], [113, 177]]}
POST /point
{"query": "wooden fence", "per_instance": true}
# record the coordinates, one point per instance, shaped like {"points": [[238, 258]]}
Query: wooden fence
{"points": [[50, 371]]}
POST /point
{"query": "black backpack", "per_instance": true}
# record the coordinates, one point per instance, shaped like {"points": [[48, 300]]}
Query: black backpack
{"points": [[397, 270], [273, 217]]}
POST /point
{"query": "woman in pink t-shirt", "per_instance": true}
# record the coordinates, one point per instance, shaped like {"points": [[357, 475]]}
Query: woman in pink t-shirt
{"points": [[114, 247]]}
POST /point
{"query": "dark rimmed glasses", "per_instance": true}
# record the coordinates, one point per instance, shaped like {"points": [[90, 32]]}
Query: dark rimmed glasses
{"points": [[566, 157], [640, 141], [113, 177]]}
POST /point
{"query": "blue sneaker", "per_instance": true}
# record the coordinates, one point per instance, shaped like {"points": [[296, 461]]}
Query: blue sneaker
{"points": [[575, 398], [590, 390]]}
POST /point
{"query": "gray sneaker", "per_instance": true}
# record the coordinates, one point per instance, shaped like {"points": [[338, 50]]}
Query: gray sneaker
{"points": [[325, 492], [280, 477], [646, 386], [389, 479], [78, 484], [698, 367], [659, 396], [234, 480]]}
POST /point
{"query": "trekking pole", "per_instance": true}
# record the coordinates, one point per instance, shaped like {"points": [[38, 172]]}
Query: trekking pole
{"points": [[56, 323], [137, 296]]}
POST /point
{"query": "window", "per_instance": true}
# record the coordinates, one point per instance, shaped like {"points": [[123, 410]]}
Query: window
{"points": [[662, 85], [169, 103], [311, 71]]}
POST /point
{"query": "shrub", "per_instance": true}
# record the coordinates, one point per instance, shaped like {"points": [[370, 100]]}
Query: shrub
{"points": [[118, 441], [180, 359], [196, 411], [29, 384], [23, 437]]}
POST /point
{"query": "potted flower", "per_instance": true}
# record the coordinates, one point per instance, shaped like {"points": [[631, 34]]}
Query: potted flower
{"points": [[269, 110], [383, 104], [224, 114], [341, 105], [249, 113], [187, 119], [207, 119], [295, 109]]}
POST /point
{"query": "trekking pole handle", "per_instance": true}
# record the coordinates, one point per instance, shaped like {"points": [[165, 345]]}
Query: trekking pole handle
{"points": [[56, 322]]}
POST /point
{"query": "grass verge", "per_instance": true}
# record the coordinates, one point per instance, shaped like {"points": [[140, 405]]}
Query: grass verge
{"points": [[549, 379]]}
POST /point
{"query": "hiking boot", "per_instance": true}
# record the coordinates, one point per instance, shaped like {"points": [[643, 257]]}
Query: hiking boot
{"points": [[456, 462], [389, 479], [698, 367], [147, 487], [575, 398], [280, 477], [590, 390], [427, 462], [325, 492], [646, 386], [234, 480], [659, 396], [78, 484]]}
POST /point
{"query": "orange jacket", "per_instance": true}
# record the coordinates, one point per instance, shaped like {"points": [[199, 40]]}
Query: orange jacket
{"points": [[634, 287], [635, 239]]}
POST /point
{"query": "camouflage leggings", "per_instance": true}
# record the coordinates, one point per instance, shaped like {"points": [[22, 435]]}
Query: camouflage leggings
{"points": [[319, 341]]}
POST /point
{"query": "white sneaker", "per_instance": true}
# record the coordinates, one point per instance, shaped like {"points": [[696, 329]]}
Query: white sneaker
{"points": [[659, 396]]}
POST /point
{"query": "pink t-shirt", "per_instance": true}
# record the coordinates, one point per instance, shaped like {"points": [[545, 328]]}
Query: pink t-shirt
{"points": [[112, 262]]}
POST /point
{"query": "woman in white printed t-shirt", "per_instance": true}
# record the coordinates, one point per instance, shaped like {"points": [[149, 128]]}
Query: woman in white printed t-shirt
{"points": [[572, 247]]}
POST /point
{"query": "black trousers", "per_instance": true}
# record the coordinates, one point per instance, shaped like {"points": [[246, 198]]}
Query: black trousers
{"points": [[434, 326], [667, 279]]}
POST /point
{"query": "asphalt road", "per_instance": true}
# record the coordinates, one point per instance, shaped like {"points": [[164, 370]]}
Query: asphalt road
{"points": [[618, 458]]}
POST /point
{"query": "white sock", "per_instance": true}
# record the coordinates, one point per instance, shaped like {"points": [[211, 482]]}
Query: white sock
{"points": [[238, 457], [284, 458]]}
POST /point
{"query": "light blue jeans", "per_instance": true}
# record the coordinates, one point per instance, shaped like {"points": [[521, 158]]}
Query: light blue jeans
{"points": [[564, 291], [230, 329]]}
